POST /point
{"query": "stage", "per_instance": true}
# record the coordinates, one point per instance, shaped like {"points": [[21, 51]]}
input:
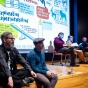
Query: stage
{"points": [[79, 78]]}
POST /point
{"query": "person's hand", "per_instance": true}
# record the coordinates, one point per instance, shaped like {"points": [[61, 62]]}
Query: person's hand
{"points": [[64, 44], [48, 74], [10, 82], [33, 74]]}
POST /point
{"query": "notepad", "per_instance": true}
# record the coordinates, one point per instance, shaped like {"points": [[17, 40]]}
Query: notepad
{"points": [[74, 44]]}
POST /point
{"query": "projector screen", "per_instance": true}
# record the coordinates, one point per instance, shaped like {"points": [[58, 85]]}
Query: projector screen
{"points": [[29, 19]]}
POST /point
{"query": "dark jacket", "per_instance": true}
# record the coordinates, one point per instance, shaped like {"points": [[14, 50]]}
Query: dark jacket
{"points": [[36, 59], [82, 45], [14, 56], [58, 43]]}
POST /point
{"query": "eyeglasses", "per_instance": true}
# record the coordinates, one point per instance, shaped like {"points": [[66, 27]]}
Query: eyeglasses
{"points": [[11, 38]]}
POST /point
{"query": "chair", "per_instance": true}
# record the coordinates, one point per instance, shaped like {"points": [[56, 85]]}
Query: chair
{"points": [[60, 54], [86, 55]]}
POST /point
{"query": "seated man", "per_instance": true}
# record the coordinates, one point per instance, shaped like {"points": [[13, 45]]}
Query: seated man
{"points": [[59, 47], [83, 45], [10, 76], [69, 40], [76, 50], [36, 59]]}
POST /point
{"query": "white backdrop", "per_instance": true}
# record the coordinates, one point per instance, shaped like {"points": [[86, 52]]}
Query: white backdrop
{"points": [[29, 19]]}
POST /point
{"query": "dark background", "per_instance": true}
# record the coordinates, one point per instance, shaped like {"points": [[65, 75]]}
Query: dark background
{"points": [[82, 18]]}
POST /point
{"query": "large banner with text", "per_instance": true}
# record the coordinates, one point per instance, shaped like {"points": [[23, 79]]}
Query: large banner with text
{"points": [[29, 19]]}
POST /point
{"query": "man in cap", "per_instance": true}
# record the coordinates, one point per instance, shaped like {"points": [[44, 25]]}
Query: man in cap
{"points": [[36, 59]]}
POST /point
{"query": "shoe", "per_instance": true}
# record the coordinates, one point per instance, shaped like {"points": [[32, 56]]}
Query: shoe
{"points": [[81, 62], [85, 62], [74, 65], [24, 83], [29, 79]]}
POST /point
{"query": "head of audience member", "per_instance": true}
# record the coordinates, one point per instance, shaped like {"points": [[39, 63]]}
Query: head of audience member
{"points": [[84, 39], [70, 37], [7, 40], [38, 42], [61, 35]]}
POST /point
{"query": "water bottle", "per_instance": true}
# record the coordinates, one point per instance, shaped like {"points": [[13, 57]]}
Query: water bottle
{"points": [[70, 71]]}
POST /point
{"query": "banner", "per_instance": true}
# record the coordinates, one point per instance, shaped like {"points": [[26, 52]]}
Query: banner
{"points": [[29, 19]]}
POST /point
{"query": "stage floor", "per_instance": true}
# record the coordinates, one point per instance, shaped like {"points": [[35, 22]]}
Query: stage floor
{"points": [[79, 78]]}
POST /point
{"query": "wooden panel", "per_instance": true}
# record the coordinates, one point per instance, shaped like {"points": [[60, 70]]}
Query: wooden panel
{"points": [[71, 81], [33, 85], [81, 86]]}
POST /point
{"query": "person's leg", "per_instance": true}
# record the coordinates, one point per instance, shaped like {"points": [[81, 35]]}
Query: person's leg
{"points": [[3, 80], [43, 80], [83, 49], [72, 56], [81, 55], [86, 49], [69, 51], [20, 73], [53, 80], [18, 77]]}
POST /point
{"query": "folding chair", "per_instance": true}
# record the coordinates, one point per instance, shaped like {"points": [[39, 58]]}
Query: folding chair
{"points": [[60, 54]]}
